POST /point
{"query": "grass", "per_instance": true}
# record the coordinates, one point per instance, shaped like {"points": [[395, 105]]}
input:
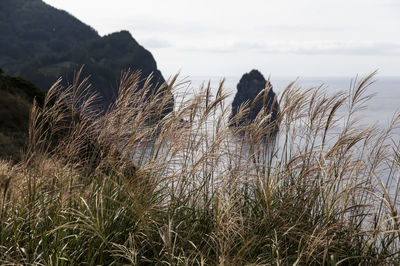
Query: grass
{"points": [[130, 187]]}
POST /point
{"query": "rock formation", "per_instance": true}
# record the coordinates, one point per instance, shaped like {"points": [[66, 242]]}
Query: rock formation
{"points": [[249, 86]]}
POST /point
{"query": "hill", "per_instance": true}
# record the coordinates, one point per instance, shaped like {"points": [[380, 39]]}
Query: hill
{"points": [[31, 28], [42, 43]]}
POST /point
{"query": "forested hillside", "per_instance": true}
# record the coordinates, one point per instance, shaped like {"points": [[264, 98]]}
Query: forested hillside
{"points": [[30, 29], [41, 43]]}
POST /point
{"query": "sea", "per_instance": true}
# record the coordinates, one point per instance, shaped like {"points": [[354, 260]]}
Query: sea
{"points": [[379, 110]]}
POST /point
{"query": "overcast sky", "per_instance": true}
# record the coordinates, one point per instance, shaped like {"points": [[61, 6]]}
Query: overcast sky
{"points": [[279, 37]]}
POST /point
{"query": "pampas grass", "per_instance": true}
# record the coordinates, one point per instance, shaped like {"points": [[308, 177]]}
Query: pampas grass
{"points": [[133, 186]]}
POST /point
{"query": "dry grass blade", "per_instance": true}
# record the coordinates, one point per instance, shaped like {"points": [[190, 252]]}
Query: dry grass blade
{"points": [[139, 185]]}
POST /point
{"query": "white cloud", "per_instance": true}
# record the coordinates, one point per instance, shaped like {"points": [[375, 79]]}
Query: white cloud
{"points": [[192, 34], [293, 27], [155, 43], [304, 47]]}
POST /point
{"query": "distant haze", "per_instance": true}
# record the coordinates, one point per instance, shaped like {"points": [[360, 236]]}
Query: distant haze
{"points": [[280, 38]]}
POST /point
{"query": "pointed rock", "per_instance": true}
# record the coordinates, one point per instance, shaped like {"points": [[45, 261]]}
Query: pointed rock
{"points": [[249, 86]]}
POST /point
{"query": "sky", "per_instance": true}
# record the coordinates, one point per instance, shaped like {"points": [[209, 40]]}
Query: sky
{"points": [[284, 38]]}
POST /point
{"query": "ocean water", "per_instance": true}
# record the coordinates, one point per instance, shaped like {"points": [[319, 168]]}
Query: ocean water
{"points": [[380, 109]]}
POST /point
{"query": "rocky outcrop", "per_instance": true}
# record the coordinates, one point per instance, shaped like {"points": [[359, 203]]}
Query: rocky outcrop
{"points": [[249, 86]]}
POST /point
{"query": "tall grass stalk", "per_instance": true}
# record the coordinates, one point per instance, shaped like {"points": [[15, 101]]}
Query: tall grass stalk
{"points": [[133, 186]]}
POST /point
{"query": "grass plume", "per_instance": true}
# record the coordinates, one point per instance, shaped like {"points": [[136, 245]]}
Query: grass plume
{"points": [[134, 187]]}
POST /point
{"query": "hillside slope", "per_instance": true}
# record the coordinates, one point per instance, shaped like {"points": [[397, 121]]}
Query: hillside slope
{"points": [[16, 98], [41, 43]]}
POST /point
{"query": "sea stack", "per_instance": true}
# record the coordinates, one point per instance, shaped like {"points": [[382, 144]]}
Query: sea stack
{"points": [[249, 86]]}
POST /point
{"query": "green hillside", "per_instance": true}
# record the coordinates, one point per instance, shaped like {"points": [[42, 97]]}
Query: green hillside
{"points": [[42, 43], [104, 59], [31, 28]]}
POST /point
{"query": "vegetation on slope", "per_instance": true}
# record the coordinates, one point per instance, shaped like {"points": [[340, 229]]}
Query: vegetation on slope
{"points": [[41, 44], [104, 58], [322, 193], [16, 98], [31, 28]]}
